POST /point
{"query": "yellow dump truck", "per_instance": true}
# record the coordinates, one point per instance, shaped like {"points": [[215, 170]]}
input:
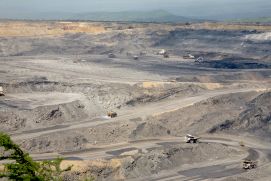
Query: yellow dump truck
{"points": [[112, 114]]}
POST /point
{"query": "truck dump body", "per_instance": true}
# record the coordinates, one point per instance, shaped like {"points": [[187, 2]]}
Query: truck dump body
{"points": [[191, 139], [189, 56], [112, 114], [249, 164], [1, 91]]}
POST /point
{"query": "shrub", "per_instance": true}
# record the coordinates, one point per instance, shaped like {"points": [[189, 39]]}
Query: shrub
{"points": [[20, 166]]}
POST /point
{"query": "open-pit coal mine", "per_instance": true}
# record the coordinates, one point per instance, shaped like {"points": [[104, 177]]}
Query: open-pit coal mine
{"points": [[139, 101]]}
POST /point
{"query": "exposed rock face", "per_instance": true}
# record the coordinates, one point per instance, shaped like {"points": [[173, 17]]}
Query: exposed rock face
{"points": [[145, 164], [256, 119]]}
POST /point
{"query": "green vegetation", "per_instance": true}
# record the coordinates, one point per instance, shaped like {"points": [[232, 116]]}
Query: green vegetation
{"points": [[21, 166]]}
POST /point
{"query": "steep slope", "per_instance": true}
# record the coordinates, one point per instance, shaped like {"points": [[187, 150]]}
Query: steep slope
{"points": [[256, 119]]}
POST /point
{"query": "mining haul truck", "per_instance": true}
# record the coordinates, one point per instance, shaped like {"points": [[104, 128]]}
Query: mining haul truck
{"points": [[2, 91], [189, 56], [249, 164], [112, 114], [111, 55], [191, 139]]}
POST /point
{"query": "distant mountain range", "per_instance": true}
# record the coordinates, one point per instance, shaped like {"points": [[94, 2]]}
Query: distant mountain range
{"points": [[254, 20], [140, 10], [130, 16], [137, 16], [158, 16]]}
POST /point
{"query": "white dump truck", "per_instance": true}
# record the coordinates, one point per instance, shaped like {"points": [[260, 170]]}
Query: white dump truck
{"points": [[162, 52], [135, 57], [188, 56], [249, 164], [191, 139], [2, 91]]}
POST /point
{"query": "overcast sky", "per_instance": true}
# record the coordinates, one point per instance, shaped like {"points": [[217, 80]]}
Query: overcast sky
{"points": [[196, 8]]}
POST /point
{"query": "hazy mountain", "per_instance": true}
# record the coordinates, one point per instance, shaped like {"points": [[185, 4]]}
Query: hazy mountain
{"points": [[254, 20], [135, 16], [138, 16], [141, 10]]}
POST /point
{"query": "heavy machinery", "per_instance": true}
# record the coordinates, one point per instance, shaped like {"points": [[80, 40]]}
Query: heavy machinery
{"points": [[191, 139], [2, 91], [166, 55], [162, 52], [135, 57], [111, 55], [199, 60], [189, 56], [112, 114], [249, 164]]}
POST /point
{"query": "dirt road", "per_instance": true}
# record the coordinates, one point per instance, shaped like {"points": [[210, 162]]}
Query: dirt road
{"points": [[28, 101], [133, 113], [199, 171]]}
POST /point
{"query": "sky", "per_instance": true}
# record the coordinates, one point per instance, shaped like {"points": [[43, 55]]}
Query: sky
{"points": [[189, 8]]}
